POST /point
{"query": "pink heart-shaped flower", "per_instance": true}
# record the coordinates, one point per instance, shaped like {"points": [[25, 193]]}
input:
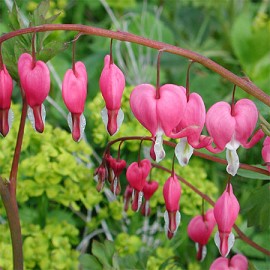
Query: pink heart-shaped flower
{"points": [[237, 262]]}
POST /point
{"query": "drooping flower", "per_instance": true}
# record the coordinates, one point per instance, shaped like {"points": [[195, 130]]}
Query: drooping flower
{"points": [[266, 152], [6, 114], [136, 174], [230, 127], [172, 193], [127, 196], [101, 175], [237, 262], [149, 189], [199, 230], [35, 82], [74, 92], [117, 165], [190, 128], [226, 211], [160, 115], [112, 84]]}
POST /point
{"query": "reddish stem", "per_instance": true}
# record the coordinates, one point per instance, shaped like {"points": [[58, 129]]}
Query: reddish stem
{"points": [[111, 55], [33, 50], [233, 101], [187, 80], [247, 86], [158, 74], [1, 58]]}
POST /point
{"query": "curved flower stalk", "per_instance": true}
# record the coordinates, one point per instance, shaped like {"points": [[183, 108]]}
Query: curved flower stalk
{"points": [[226, 211], [149, 189], [35, 82], [199, 230], [74, 92], [172, 193], [136, 174], [193, 122], [237, 262], [266, 152], [112, 84], [160, 115], [230, 127], [117, 165], [6, 114]]}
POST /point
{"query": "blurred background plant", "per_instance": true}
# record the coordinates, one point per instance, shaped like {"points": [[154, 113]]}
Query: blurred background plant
{"points": [[60, 208]]}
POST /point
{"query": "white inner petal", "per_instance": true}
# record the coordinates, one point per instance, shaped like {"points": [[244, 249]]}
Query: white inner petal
{"points": [[82, 125], [183, 152], [167, 222], [10, 118], [158, 147], [217, 240], [140, 197], [31, 117], [233, 161], [114, 186], [231, 240], [104, 116], [120, 119], [147, 207], [204, 251], [166, 219]]}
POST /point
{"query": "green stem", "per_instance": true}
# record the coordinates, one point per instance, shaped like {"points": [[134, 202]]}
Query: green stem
{"points": [[247, 86]]}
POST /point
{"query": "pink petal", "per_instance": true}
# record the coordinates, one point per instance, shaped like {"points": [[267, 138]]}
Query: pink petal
{"points": [[220, 264], [239, 262], [34, 78], [266, 152], [149, 189], [220, 125], [143, 105], [171, 193], [74, 88], [6, 86], [112, 84]]}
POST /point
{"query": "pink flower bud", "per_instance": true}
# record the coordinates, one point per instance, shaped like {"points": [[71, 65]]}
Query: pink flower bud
{"points": [[158, 115], [35, 81], [112, 85], [117, 165], [225, 211], [237, 262], [74, 92], [231, 127], [149, 189], [171, 193], [266, 152], [101, 173], [136, 174], [199, 230], [127, 197], [6, 115]]}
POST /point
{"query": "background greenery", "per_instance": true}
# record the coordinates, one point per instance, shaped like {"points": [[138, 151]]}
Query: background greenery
{"points": [[64, 218]]}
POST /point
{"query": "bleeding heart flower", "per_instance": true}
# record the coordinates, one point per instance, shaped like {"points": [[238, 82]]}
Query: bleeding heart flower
{"points": [[190, 129], [74, 92], [101, 174], [237, 262], [266, 152], [160, 115], [172, 193], [230, 127], [117, 165], [112, 85], [199, 230], [127, 196], [35, 81], [149, 189], [136, 174], [6, 114], [226, 211]]}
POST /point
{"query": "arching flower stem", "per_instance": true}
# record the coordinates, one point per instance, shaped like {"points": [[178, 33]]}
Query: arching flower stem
{"points": [[247, 86]]}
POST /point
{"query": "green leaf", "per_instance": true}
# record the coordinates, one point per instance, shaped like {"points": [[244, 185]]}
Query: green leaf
{"points": [[109, 250], [257, 208], [98, 249], [89, 262], [253, 175]]}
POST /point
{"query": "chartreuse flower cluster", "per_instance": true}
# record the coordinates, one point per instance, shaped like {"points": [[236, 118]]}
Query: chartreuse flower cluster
{"points": [[168, 110]]}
